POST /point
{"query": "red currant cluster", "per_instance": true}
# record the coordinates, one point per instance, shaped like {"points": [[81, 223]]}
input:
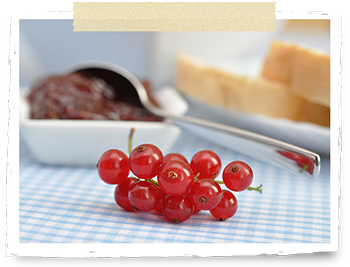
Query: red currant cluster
{"points": [[182, 188]]}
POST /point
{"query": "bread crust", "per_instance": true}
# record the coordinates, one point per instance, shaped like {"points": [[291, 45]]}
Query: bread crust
{"points": [[306, 71]]}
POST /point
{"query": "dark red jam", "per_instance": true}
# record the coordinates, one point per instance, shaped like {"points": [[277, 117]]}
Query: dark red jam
{"points": [[78, 97]]}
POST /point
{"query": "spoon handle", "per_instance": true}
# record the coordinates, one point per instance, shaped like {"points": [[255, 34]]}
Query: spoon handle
{"points": [[293, 158], [298, 160]]}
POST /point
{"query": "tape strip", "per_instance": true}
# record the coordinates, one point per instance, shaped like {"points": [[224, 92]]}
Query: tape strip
{"points": [[174, 16]]}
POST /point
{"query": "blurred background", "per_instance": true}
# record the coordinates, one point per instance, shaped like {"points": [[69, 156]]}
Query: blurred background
{"points": [[50, 46]]}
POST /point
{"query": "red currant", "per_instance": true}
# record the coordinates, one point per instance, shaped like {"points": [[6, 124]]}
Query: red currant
{"points": [[205, 194], [206, 163], [237, 176], [145, 161], [195, 210], [174, 156], [162, 195], [227, 206], [175, 177], [307, 164], [143, 196], [177, 209], [303, 162], [113, 166], [121, 193]]}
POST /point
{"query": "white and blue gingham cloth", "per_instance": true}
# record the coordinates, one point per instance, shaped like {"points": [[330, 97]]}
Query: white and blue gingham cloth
{"points": [[72, 205]]}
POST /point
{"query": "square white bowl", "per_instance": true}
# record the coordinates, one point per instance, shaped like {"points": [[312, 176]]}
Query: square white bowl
{"points": [[82, 142]]}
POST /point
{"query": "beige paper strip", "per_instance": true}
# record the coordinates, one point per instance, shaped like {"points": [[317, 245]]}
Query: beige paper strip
{"points": [[174, 16]]}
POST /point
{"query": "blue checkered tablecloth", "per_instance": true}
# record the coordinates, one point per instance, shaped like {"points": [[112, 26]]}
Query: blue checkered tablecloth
{"points": [[60, 204]]}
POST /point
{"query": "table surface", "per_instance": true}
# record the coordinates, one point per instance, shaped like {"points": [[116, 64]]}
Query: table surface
{"points": [[62, 204]]}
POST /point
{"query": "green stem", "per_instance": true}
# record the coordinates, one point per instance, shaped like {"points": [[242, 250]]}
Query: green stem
{"points": [[130, 139], [256, 188], [306, 166], [196, 177], [153, 182]]}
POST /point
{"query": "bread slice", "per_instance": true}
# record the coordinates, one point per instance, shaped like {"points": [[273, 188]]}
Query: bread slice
{"points": [[306, 71], [198, 81], [240, 93], [314, 113]]}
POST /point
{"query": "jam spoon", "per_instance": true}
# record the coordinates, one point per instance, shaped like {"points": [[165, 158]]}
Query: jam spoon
{"points": [[293, 158]]}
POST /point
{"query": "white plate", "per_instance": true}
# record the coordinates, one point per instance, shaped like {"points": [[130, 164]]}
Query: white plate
{"points": [[306, 135], [72, 142]]}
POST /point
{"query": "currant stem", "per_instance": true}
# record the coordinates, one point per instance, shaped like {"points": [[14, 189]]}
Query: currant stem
{"points": [[130, 139], [153, 182], [196, 177], [306, 166], [256, 188]]}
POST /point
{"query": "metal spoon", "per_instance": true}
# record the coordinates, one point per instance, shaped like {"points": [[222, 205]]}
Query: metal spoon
{"points": [[293, 158]]}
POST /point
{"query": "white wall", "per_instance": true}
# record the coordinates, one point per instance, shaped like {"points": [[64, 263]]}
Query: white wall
{"points": [[51, 46]]}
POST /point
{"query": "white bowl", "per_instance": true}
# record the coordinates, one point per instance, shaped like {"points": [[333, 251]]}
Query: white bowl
{"points": [[82, 142]]}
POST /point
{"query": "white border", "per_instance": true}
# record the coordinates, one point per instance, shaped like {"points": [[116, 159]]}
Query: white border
{"points": [[163, 250]]}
